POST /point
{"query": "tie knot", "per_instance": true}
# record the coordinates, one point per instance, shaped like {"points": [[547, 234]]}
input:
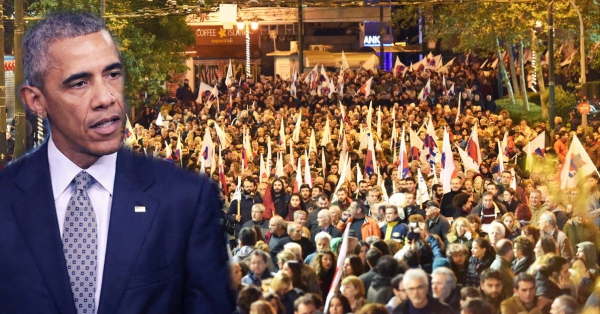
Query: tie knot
{"points": [[83, 181]]}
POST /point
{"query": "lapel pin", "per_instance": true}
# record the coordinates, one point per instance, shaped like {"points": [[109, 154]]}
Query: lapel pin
{"points": [[140, 209]]}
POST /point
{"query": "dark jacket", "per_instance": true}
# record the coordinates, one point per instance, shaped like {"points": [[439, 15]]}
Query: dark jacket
{"points": [[412, 210], [399, 231], [548, 289], [281, 202], [331, 230], [447, 209], [433, 306], [245, 210], [380, 290], [367, 278], [307, 247], [476, 267], [439, 226], [521, 267]]}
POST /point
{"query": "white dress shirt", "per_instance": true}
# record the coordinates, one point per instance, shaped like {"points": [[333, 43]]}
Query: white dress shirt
{"points": [[62, 172]]}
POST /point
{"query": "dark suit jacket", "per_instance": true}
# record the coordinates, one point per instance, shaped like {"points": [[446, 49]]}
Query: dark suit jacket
{"points": [[170, 259]]}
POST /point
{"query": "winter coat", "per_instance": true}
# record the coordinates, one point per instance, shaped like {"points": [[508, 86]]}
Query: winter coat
{"points": [[380, 290], [476, 267], [507, 274], [399, 231], [434, 306], [547, 288]]}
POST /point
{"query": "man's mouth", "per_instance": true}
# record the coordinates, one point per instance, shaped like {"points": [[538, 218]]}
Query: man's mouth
{"points": [[106, 126]]}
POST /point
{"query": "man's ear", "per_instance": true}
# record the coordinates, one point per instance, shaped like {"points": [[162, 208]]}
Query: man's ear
{"points": [[32, 97]]}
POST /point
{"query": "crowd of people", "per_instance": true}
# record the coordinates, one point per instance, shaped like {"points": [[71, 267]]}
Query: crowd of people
{"points": [[487, 245]]}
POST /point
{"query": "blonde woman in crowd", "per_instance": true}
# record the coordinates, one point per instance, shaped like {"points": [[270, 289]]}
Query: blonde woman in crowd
{"points": [[354, 290]]}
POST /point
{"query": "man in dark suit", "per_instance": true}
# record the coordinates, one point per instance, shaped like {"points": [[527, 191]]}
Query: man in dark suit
{"points": [[87, 226]]}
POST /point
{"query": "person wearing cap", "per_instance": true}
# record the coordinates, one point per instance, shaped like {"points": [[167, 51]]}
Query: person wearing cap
{"points": [[436, 222], [363, 225]]}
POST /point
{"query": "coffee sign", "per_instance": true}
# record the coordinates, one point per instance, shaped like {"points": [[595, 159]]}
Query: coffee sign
{"points": [[217, 35]]}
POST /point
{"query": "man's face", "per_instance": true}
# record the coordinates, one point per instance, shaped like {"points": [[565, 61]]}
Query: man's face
{"points": [[305, 193], [322, 203], [416, 290], [487, 201], [525, 292], [492, 188], [495, 234], [410, 199], [315, 192], [296, 234], [439, 191], [362, 188], [248, 187], [390, 215], [323, 244], [505, 179], [535, 199], [257, 265], [262, 188], [323, 220], [431, 211], [273, 226], [455, 184], [439, 286], [373, 196], [82, 97], [341, 194], [277, 187], [410, 186], [492, 288], [300, 219], [257, 214]]}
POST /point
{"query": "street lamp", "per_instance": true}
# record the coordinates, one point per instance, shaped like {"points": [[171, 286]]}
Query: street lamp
{"points": [[246, 26], [551, 98]]}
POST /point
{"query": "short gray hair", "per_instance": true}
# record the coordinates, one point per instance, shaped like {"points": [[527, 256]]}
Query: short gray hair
{"points": [[415, 274], [292, 226], [549, 217], [53, 27], [450, 276], [259, 207], [322, 235], [501, 228]]}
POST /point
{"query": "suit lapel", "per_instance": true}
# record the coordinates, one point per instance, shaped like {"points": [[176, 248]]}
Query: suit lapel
{"points": [[36, 218], [128, 228]]}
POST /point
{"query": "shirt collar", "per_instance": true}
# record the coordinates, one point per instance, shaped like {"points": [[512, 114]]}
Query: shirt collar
{"points": [[63, 170]]}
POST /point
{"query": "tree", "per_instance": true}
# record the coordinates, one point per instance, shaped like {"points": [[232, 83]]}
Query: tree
{"points": [[476, 26], [152, 48]]}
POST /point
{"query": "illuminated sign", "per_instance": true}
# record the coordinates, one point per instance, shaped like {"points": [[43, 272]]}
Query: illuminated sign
{"points": [[373, 35]]}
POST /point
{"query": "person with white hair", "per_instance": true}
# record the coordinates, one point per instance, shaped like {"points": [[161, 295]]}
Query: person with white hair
{"points": [[443, 287], [324, 225], [564, 305], [323, 243], [416, 285], [547, 225], [496, 232]]}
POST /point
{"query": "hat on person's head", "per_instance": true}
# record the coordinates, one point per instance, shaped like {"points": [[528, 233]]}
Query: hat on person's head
{"points": [[432, 204], [352, 234]]}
